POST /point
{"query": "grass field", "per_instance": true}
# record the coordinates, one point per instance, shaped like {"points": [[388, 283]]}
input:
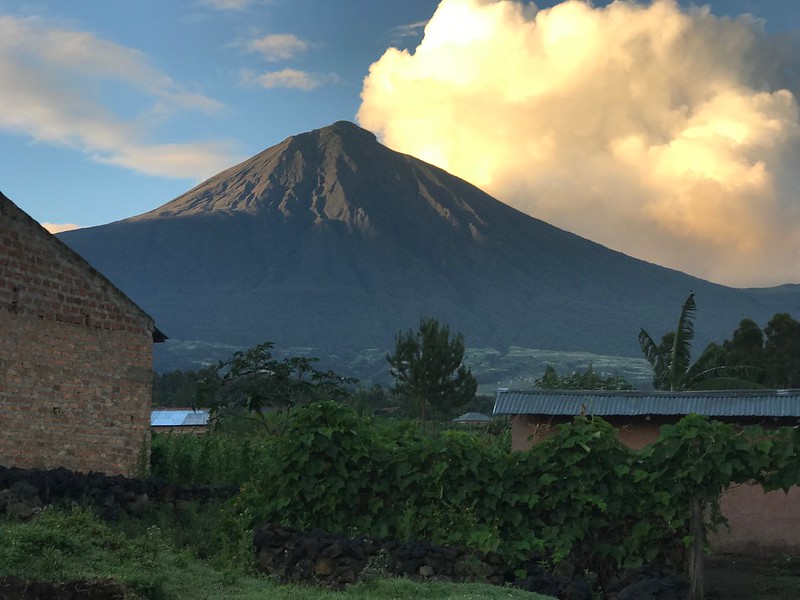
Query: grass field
{"points": [[151, 563]]}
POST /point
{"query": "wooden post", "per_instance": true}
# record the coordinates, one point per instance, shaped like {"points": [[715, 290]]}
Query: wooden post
{"points": [[697, 530]]}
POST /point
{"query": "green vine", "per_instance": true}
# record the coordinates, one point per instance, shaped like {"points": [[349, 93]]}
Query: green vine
{"points": [[580, 495]]}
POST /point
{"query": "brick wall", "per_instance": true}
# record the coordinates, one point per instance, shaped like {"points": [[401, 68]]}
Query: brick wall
{"points": [[75, 358]]}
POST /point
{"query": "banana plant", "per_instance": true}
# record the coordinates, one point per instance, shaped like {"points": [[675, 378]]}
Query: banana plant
{"points": [[672, 366]]}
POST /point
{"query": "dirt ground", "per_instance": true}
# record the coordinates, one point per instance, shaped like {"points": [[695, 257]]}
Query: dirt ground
{"points": [[734, 577]]}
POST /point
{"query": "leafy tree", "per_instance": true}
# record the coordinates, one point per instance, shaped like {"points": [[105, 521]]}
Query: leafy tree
{"points": [[746, 346], [671, 360], [253, 381], [368, 400], [428, 371], [782, 351], [177, 388], [589, 380], [770, 357]]}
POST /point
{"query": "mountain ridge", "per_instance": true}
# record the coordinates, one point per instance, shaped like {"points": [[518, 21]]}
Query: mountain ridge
{"points": [[332, 241]]}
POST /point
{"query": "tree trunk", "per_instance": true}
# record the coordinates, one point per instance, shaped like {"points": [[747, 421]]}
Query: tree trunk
{"points": [[696, 553]]}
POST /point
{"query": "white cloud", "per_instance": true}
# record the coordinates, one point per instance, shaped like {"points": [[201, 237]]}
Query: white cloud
{"points": [[401, 32], [657, 131], [278, 46], [56, 79], [190, 161], [59, 227], [291, 79], [227, 4]]}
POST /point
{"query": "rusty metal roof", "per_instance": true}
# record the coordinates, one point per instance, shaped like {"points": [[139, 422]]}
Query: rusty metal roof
{"points": [[744, 403], [178, 417]]}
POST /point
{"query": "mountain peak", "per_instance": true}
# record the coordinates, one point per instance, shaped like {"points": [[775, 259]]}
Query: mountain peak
{"points": [[339, 173], [346, 129], [294, 173]]}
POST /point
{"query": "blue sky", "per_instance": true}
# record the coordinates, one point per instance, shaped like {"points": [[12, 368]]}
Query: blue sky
{"points": [[109, 109], [204, 49]]}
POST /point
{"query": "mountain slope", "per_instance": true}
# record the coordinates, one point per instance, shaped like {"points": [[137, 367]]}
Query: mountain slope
{"points": [[332, 241]]}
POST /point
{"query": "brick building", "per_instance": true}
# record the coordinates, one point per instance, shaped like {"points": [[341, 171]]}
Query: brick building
{"points": [[758, 520], [75, 357]]}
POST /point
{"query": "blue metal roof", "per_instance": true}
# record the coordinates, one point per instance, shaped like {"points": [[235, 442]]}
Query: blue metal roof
{"points": [[472, 416], [182, 417], [744, 403]]}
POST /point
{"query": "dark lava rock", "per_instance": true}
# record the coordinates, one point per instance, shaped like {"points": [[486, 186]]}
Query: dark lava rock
{"points": [[14, 588]]}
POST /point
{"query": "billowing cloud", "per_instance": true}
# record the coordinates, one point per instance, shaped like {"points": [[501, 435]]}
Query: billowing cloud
{"points": [[59, 227], [278, 46], [661, 132], [55, 85], [290, 78]]}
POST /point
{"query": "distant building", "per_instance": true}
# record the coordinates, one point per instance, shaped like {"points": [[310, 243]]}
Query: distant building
{"points": [[767, 521], [179, 420], [75, 357], [472, 418]]}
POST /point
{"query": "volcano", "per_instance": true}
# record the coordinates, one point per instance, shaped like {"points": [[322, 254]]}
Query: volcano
{"points": [[331, 242]]}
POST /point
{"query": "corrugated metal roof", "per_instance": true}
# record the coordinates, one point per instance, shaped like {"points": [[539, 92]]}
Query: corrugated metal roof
{"points": [[472, 416], [746, 403], [182, 417]]}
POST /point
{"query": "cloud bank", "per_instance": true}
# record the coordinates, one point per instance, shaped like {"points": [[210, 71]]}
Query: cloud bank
{"points": [[664, 133], [55, 88]]}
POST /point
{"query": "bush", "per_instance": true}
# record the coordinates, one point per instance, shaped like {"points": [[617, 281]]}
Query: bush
{"points": [[580, 495]]}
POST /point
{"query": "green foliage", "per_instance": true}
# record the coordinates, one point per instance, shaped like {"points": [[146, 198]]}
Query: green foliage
{"points": [[428, 369], [150, 559], [321, 473], [782, 351], [772, 355], [58, 546], [367, 400], [215, 458], [588, 380], [671, 360], [178, 388], [579, 495], [254, 381]]}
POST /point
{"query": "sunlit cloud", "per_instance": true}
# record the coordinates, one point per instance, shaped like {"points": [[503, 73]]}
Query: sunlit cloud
{"points": [[669, 134], [59, 227], [278, 46], [291, 79], [57, 83]]}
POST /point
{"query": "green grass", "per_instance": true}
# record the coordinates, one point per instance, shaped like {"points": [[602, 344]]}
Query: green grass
{"points": [[148, 560]]}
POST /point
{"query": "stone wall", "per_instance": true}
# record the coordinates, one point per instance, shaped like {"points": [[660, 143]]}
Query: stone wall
{"points": [[75, 358]]}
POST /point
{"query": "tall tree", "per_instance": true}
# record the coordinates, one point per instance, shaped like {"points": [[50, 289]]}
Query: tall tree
{"points": [[782, 351], [427, 366], [671, 360]]}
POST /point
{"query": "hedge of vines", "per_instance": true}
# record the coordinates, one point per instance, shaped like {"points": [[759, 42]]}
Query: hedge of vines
{"points": [[579, 495]]}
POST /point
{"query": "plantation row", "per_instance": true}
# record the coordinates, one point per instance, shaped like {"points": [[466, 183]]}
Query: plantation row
{"points": [[580, 495]]}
